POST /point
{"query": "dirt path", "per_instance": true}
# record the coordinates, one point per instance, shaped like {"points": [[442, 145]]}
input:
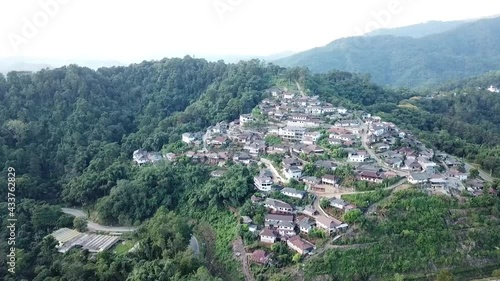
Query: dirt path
{"points": [[238, 247], [300, 89]]}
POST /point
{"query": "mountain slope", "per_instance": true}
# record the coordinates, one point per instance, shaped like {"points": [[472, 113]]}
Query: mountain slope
{"points": [[465, 51], [419, 30]]}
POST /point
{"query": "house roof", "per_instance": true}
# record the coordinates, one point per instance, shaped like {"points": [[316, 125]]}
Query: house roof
{"points": [[369, 174], [328, 177], [267, 232], [338, 201], [300, 243], [330, 222], [259, 256], [419, 176], [293, 191], [277, 217]]}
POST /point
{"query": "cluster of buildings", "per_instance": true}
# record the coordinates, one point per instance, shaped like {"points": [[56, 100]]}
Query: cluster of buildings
{"points": [[300, 122], [291, 225]]}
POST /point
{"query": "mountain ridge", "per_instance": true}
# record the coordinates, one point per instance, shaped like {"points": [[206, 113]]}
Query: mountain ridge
{"points": [[459, 53]]}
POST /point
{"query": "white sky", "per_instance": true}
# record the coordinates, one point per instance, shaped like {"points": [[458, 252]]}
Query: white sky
{"points": [[130, 31]]}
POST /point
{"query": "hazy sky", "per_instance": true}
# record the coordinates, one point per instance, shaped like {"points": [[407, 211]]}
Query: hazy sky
{"points": [[135, 30]]}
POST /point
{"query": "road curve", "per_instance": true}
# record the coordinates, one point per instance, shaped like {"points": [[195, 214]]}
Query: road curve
{"points": [[194, 245], [95, 226]]}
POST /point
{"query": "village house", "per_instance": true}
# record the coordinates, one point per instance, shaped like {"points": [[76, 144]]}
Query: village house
{"points": [[454, 173], [255, 148], [286, 229], [300, 245], [329, 179], [347, 123], [370, 176], [341, 110], [292, 172], [330, 225], [292, 133], [312, 136], [305, 224], [341, 204], [310, 181], [141, 156], [273, 220], [246, 118], [170, 156], [418, 178], [278, 205], [326, 164], [268, 235], [188, 138], [357, 157], [264, 181], [292, 192], [260, 257]]}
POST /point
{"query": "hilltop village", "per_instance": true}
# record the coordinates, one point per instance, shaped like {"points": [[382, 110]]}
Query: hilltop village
{"points": [[310, 155]]}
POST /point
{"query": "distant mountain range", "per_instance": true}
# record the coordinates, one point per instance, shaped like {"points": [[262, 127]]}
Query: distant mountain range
{"points": [[464, 50], [419, 30], [36, 64]]}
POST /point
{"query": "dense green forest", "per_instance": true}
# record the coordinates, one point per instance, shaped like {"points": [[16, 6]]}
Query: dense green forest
{"points": [[469, 49], [70, 133]]}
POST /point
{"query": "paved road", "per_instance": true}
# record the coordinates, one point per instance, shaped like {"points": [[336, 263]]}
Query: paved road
{"points": [[340, 193], [364, 137], [482, 173], [95, 226], [194, 245], [276, 176]]}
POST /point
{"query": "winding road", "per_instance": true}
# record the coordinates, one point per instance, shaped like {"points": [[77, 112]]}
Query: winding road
{"points": [[95, 226]]}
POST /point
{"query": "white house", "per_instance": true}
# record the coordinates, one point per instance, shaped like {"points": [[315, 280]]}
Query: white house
{"points": [[329, 179], [292, 172], [263, 182], [292, 133], [277, 205], [268, 236], [245, 118], [188, 138], [292, 192], [417, 178], [356, 157]]}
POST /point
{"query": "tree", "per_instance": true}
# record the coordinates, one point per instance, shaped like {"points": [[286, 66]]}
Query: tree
{"points": [[272, 140], [399, 277], [296, 258], [444, 275], [80, 224], [324, 203], [474, 173], [353, 216]]}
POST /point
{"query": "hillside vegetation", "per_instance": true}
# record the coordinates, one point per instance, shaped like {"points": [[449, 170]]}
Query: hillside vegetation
{"points": [[470, 49]]}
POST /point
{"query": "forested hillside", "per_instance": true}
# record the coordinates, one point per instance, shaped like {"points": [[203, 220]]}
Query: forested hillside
{"points": [[419, 30], [70, 133], [470, 49]]}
